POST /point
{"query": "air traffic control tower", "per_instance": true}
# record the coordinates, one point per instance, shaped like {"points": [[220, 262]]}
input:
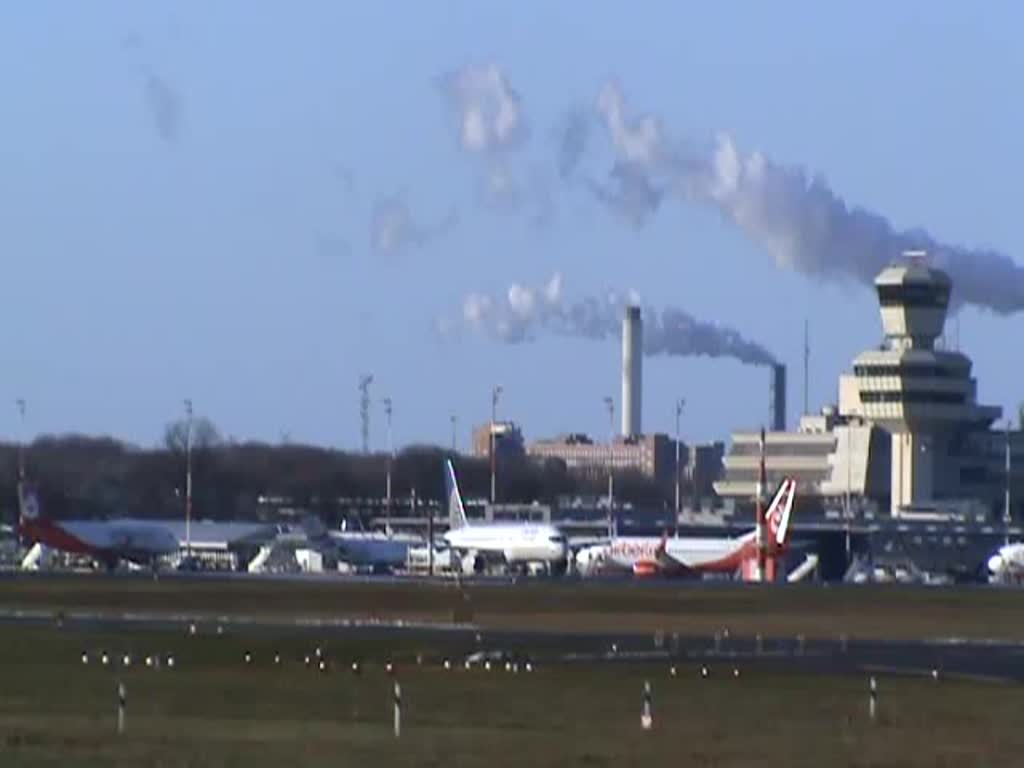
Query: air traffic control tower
{"points": [[922, 395]]}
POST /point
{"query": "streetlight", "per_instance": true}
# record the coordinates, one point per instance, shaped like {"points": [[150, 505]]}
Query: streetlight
{"points": [[454, 420], [387, 415], [20, 402], [680, 404], [846, 510], [188, 478], [610, 405], [495, 394], [1007, 518]]}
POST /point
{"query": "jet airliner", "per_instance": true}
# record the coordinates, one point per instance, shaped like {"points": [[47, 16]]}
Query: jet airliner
{"points": [[518, 544]]}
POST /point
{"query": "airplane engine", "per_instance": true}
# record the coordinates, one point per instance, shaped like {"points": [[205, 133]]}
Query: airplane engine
{"points": [[472, 563], [645, 568], [996, 564]]}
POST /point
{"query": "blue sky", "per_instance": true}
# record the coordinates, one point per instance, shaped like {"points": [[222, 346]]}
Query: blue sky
{"points": [[228, 259]]}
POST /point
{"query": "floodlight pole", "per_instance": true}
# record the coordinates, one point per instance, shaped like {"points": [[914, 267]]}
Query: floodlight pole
{"points": [[759, 531], [1007, 517], [680, 404], [188, 478], [495, 394], [20, 402], [390, 459], [610, 405]]}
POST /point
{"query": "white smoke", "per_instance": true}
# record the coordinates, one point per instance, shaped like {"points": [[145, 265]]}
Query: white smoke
{"points": [[796, 217], [489, 125], [487, 112], [575, 134], [640, 142], [631, 194], [524, 313], [166, 106], [330, 246], [393, 228]]}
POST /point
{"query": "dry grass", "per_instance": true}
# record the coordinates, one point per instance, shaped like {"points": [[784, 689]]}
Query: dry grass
{"points": [[213, 710]]}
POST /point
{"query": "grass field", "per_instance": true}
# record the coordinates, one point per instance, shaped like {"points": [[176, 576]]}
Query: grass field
{"points": [[212, 709], [878, 612]]}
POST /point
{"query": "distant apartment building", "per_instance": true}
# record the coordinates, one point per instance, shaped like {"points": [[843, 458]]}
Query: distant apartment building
{"points": [[706, 468], [508, 439], [651, 455]]}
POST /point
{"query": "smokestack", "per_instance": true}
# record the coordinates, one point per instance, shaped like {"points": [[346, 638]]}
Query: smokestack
{"points": [[632, 358], [778, 395], [525, 313]]}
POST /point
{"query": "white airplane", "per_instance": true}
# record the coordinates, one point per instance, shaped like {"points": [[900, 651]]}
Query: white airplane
{"points": [[106, 541], [1007, 564], [519, 544], [368, 549], [650, 555]]}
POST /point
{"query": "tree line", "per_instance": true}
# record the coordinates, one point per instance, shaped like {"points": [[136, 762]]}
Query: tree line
{"points": [[95, 477]]}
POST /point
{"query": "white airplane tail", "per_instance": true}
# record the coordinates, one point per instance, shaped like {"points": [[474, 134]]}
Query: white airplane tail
{"points": [[35, 558], [456, 510], [778, 514]]}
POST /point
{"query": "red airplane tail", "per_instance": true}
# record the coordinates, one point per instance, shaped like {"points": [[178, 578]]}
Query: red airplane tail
{"points": [[778, 515], [777, 519]]}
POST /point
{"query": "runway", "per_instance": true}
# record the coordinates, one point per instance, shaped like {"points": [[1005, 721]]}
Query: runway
{"points": [[721, 653]]}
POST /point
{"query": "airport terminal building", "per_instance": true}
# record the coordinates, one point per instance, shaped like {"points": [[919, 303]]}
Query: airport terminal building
{"points": [[908, 434]]}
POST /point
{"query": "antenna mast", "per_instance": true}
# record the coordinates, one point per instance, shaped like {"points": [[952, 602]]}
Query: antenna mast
{"points": [[760, 532], [1007, 517], [20, 403], [807, 363], [364, 409], [390, 461]]}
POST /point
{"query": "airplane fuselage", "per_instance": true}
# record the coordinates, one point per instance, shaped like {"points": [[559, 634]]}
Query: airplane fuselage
{"points": [[372, 548], [695, 554], [109, 540], [711, 555], [516, 543]]}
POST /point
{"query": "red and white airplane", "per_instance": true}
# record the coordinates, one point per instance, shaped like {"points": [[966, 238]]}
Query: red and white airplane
{"points": [[649, 555], [106, 541]]}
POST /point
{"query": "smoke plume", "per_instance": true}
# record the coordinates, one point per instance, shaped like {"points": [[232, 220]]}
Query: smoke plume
{"points": [[331, 247], [489, 125], [573, 141], [523, 314], [802, 223], [486, 111], [166, 106], [631, 193], [393, 228]]}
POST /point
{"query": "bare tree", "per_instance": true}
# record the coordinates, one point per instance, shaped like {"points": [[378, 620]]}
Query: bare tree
{"points": [[204, 435]]}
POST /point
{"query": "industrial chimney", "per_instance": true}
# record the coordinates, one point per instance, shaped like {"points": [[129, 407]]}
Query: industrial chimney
{"points": [[632, 359], [778, 398]]}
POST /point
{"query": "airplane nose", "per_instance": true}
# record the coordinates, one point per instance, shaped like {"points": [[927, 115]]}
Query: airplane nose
{"points": [[996, 564]]}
